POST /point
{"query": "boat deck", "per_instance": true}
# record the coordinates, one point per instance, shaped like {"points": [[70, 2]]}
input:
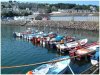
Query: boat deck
{"points": [[82, 51]]}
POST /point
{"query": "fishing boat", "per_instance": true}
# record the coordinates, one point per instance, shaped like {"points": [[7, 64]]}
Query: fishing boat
{"points": [[67, 46], [21, 34], [83, 50], [36, 34], [53, 41], [52, 68], [17, 34], [29, 36], [87, 48], [95, 57], [45, 39], [61, 39], [37, 37]]}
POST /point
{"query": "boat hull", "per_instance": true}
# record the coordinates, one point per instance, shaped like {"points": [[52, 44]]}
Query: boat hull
{"points": [[86, 49], [53, 68], [70, 45], [94, 62]]}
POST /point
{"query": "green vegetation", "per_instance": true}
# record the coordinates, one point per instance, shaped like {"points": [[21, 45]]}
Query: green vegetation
{"points": [[14, 13], [9, 10]]}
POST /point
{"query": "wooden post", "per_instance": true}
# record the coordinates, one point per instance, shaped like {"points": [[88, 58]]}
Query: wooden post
{"points": [[86, 57]]}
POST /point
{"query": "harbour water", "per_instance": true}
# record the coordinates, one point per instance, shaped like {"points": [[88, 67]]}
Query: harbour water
{"points": [[18, 52]]}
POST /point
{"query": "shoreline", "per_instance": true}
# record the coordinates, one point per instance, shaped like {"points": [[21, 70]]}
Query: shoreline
{"points": [[87, 25]]}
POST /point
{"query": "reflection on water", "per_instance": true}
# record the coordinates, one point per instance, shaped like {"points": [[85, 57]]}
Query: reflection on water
{"points": [[17, 51]]}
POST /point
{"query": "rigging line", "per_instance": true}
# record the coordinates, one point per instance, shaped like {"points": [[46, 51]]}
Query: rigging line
{"points": [[95, 71], [88, 68]]}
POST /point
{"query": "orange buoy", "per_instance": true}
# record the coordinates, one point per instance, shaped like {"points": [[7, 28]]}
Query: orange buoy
{"points": [[29, 73]]}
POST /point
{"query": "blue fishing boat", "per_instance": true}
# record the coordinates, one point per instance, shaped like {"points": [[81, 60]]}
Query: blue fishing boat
{"points": [[54, 41], [52, 68]]}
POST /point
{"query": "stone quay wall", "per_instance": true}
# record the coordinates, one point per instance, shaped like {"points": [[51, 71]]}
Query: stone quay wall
{"points": [[88, 25]]}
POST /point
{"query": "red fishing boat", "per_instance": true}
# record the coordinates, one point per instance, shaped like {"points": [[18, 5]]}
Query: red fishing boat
{"points": [[81, 50]]}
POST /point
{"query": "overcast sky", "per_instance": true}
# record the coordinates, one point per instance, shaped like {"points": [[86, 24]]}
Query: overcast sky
{"points": [[81, 2]]}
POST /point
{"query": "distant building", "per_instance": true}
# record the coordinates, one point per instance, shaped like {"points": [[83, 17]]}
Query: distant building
{"points": [[93, 9], [31, 17], [75, 11], [41, 10], [27, 9], [13, 4], [35, 13], [55, 12], [44, 18], [19, 18], [67, 10]]}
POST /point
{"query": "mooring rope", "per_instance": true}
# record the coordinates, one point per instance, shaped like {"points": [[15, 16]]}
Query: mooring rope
{"points": [[89, 68], [5, 67], [95, 71], [71, 70]]}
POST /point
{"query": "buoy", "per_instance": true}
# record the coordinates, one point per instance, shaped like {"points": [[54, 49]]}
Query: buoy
{"points": [[29, 73]]}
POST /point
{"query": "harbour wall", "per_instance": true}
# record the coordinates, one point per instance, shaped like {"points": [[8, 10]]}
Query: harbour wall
{"points": [[88, 25]]}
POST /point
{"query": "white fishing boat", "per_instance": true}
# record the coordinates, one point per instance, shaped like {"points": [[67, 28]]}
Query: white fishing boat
{"points": [[47, 37], [17, 34], [21, 34], [31, 35], [88, 48], [70, 45], [83, 50], [52, 68]]}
